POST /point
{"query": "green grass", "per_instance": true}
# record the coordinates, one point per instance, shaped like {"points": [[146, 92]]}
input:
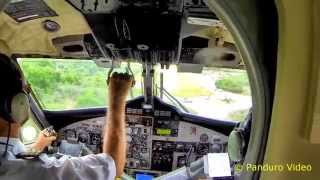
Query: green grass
{"points": [[239, 115], [190, 91], [234, 83], [185, 85]]}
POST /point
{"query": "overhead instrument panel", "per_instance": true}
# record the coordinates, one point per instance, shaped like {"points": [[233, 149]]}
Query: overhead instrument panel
{"points": [[158, 141], [113, 6], [136, 29], [143, 30]]}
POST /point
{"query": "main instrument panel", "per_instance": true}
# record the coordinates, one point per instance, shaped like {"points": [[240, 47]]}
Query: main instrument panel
{"points": [[158, 141]]}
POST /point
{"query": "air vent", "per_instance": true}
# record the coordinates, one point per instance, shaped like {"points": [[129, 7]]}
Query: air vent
{"points": [[73, 48]]}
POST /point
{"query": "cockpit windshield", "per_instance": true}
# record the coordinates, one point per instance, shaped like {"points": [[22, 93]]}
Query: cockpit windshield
{"points": [[216, 93]]}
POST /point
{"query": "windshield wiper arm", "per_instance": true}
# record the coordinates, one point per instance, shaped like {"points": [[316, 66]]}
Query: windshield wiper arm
{"points": [[173, 99]]}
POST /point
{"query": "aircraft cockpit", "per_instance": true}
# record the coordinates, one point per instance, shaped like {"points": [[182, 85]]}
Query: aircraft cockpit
{"points": [[191, 90]]}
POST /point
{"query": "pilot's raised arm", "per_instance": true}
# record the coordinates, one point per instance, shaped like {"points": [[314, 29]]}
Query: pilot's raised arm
{"points": [[104, 166], [115, 135]]}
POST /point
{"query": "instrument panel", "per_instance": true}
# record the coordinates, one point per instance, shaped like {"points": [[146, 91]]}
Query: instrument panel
{"points": [[158, 141], [155, 148], [88, 133]]}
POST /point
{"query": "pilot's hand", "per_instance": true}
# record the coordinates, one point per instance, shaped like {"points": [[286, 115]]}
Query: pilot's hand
{"points": [[119, 85], [43, 141]]}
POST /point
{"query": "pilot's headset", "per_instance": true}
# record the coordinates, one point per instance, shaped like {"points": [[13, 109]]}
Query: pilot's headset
{"points": [[239, 139], [14, 101]]}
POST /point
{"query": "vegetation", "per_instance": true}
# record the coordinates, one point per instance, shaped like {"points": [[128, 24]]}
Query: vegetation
{"points": [[189, 87], [76, 84], [239, 115], [185, 85], [234, 83]]}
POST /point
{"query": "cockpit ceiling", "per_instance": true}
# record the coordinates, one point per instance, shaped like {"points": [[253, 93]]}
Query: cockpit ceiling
{"points": [[29, 37], [153, 31]]}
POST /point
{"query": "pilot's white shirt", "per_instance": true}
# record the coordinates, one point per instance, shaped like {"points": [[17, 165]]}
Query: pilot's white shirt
{"points": [[90, 167]]}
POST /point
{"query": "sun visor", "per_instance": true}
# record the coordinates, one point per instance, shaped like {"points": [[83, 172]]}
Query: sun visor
{"points": [[190, 68]]}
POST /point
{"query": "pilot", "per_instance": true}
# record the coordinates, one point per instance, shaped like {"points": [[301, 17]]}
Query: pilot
{"points": [[14, 108]]}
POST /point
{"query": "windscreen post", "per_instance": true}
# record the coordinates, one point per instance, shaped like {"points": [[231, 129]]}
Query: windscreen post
{"points": [[148, 75]]}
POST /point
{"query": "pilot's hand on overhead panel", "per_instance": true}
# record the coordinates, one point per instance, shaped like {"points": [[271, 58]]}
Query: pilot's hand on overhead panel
{"points": [[43, 141], [119, 86]]}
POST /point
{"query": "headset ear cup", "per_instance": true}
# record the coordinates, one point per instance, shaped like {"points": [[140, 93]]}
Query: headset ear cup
{"points": [[236, 145], [20, 108]]}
